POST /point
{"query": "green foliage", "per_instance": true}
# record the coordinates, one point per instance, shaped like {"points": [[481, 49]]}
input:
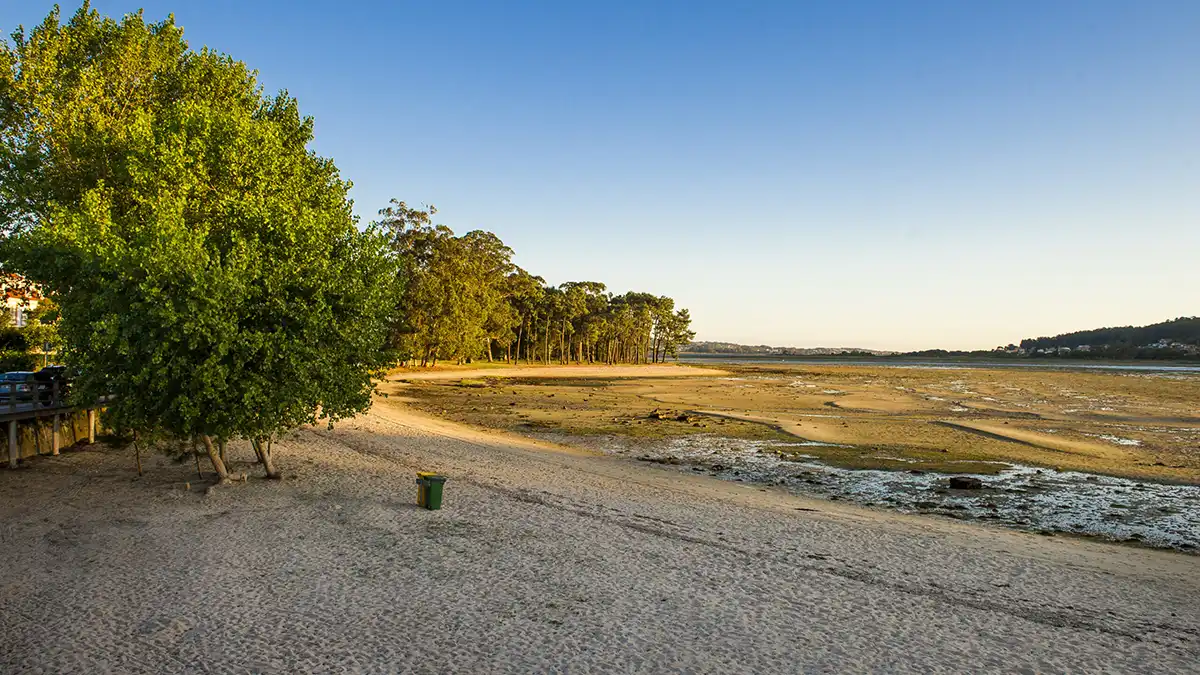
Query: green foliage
{"points": [[465, 298], [1184, 330], [14, 359], [207, 265], [454, 300], [13, 339], [41, 328]]}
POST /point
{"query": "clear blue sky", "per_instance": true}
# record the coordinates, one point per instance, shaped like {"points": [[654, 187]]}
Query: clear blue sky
{"points": [[953, 174]]}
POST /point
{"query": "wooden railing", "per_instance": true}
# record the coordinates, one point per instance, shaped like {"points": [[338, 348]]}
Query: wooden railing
{"points": [[35, 399]]}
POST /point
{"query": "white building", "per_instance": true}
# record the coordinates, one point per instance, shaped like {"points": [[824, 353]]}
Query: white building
{"points": [[20, 297]]}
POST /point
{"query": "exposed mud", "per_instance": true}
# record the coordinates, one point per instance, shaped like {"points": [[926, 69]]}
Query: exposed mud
{"points": [[1018, 496]]}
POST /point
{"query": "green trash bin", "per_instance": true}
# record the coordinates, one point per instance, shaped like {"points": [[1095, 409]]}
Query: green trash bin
{"points": [[423, 486], [432, 489]]}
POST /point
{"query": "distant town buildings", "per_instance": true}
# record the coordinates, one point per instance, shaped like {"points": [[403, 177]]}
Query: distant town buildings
{"points": [[1164, 344], [20, 297]]}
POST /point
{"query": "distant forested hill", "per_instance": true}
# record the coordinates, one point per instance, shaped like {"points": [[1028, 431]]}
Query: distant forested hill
{"points": [[1184, 331], [734, 348]]}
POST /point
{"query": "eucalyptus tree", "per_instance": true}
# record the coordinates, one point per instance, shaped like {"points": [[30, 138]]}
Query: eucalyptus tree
{"points": [[677, 332], [489, 264], [454, 304], [208, 269], [524, 293]]}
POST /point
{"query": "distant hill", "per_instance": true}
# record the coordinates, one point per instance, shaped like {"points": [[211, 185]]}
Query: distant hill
{"points": [[767, 350], [1180, 336], [1175, 339]]}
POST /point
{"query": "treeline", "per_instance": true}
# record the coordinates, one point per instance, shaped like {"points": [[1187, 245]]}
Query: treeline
{"points": [[1124, 339], [767, 350], [464, 299]]}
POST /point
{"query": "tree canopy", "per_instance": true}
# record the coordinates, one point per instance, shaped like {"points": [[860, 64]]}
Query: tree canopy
{"points": [[207, 266], [466, 299]]}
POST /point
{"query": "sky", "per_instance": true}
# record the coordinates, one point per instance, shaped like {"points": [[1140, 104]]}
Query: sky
{"points": [[891, 175]]}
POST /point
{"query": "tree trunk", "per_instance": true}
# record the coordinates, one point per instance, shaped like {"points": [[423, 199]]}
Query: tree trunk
{"points": [[520, 334], [262, 448], [214, 456]]}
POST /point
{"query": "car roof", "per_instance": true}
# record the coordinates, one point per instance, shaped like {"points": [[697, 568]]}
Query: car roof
{"points": [[17, 373]]}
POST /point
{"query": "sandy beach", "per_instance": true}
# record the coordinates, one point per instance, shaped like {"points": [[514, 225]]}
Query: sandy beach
{"points": [[543, 559]]}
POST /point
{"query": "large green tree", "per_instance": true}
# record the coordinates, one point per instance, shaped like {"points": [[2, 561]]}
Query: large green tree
{"points": [[454, 304], [210, 275]]}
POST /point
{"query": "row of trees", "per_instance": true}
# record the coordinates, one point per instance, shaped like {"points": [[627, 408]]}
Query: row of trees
{"points": [[465, 299], [209, 273]]}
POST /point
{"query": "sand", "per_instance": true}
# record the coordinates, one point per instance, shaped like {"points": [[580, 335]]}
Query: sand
{"points": [[500, 370], [542, 560]]}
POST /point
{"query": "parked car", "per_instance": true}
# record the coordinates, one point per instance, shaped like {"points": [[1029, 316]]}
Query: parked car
{"points": [[49, 379], [17, 386]]}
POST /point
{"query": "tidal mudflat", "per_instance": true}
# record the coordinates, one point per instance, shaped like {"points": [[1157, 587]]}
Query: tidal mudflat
{"points": [[1042, 500], [1112, 454]]}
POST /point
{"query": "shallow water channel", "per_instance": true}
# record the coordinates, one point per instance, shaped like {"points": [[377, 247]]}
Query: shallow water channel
{"points": [[1023, 497]]}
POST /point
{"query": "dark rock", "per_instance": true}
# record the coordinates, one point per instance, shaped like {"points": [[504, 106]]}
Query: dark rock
{"points": [[965, 483], [659, 460]]}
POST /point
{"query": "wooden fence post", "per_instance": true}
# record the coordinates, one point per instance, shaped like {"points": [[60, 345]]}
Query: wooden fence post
{"points": [[56, 434], [12, 444], [91, 425]]}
